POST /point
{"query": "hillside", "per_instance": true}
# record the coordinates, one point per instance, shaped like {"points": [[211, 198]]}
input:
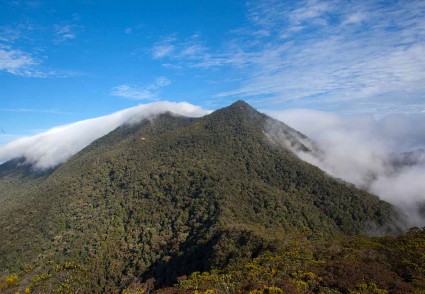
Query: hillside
{"points": [[173, 195]]}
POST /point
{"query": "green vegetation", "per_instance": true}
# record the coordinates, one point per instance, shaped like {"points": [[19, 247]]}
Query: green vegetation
{"points": [[172, 196], [357, 264], [66, 277]]}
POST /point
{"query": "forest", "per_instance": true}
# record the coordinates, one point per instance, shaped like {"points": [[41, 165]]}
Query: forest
{"points": [[211, 205]]}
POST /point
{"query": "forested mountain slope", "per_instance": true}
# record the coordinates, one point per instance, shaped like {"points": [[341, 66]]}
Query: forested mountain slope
{"points": [[172, 195]]}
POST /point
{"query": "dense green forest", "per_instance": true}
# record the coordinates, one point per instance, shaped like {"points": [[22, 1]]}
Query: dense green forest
{"points": [[304, 264], [300, 263], [153, 202]]}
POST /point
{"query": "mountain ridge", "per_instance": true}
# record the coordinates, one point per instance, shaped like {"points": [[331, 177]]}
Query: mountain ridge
{"points": [[176, 195]]}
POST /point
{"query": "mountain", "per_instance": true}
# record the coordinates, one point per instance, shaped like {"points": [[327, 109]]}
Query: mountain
{"points": [[406, 159], [172, 195]]}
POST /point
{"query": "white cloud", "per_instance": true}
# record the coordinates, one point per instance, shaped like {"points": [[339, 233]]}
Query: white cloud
{"points": [[163, 48], [52, 111], [20, 62], [159, 83], [133, 29], [132, 92], [357, 148], [309, 10], [9, 34], [56, 145], [362, 150], [355, 18], [161, 51], [191, 52], [328, 53], [338, 69], [17, 62], [149, 92], [64, 33]]}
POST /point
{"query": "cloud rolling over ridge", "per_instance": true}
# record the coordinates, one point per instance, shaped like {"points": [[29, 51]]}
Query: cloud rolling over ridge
{"points": [[372, 154], [55, 146]]}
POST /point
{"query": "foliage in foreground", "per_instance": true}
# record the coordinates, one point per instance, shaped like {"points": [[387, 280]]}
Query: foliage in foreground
{"points": [[354, 265], [357, 264], [66, 277]]}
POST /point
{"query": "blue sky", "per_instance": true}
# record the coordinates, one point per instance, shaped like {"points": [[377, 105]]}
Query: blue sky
{"points": [[65, 61]]}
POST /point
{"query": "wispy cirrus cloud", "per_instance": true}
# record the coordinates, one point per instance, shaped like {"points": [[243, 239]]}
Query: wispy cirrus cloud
{"points": [[23, 53], [338, 52], [149, 92], [133, 29], [27, 4], [191, 52], [20, 59], [20, 63], [9, 34], [17, 62], [324, 54], [163, 48], [32, 110], [64, 33]]}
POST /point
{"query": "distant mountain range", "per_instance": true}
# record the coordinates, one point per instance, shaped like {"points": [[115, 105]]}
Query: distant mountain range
{"points": [[173, 195]]}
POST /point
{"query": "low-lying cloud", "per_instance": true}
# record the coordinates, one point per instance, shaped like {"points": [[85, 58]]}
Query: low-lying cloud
{"points": [[373, 154], [385, 156], [55, 146]]}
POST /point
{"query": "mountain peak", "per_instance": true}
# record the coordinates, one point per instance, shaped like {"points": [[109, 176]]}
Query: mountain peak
{"points": [[241, 105], [237, 115], [240, 109], [178, 194]]}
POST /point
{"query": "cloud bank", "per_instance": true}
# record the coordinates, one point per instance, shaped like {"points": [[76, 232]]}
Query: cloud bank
{"points": [[56, 145], [372, 154]]}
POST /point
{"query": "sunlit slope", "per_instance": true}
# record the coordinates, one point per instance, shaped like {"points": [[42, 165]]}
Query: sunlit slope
{"points": [[172, 195]]}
